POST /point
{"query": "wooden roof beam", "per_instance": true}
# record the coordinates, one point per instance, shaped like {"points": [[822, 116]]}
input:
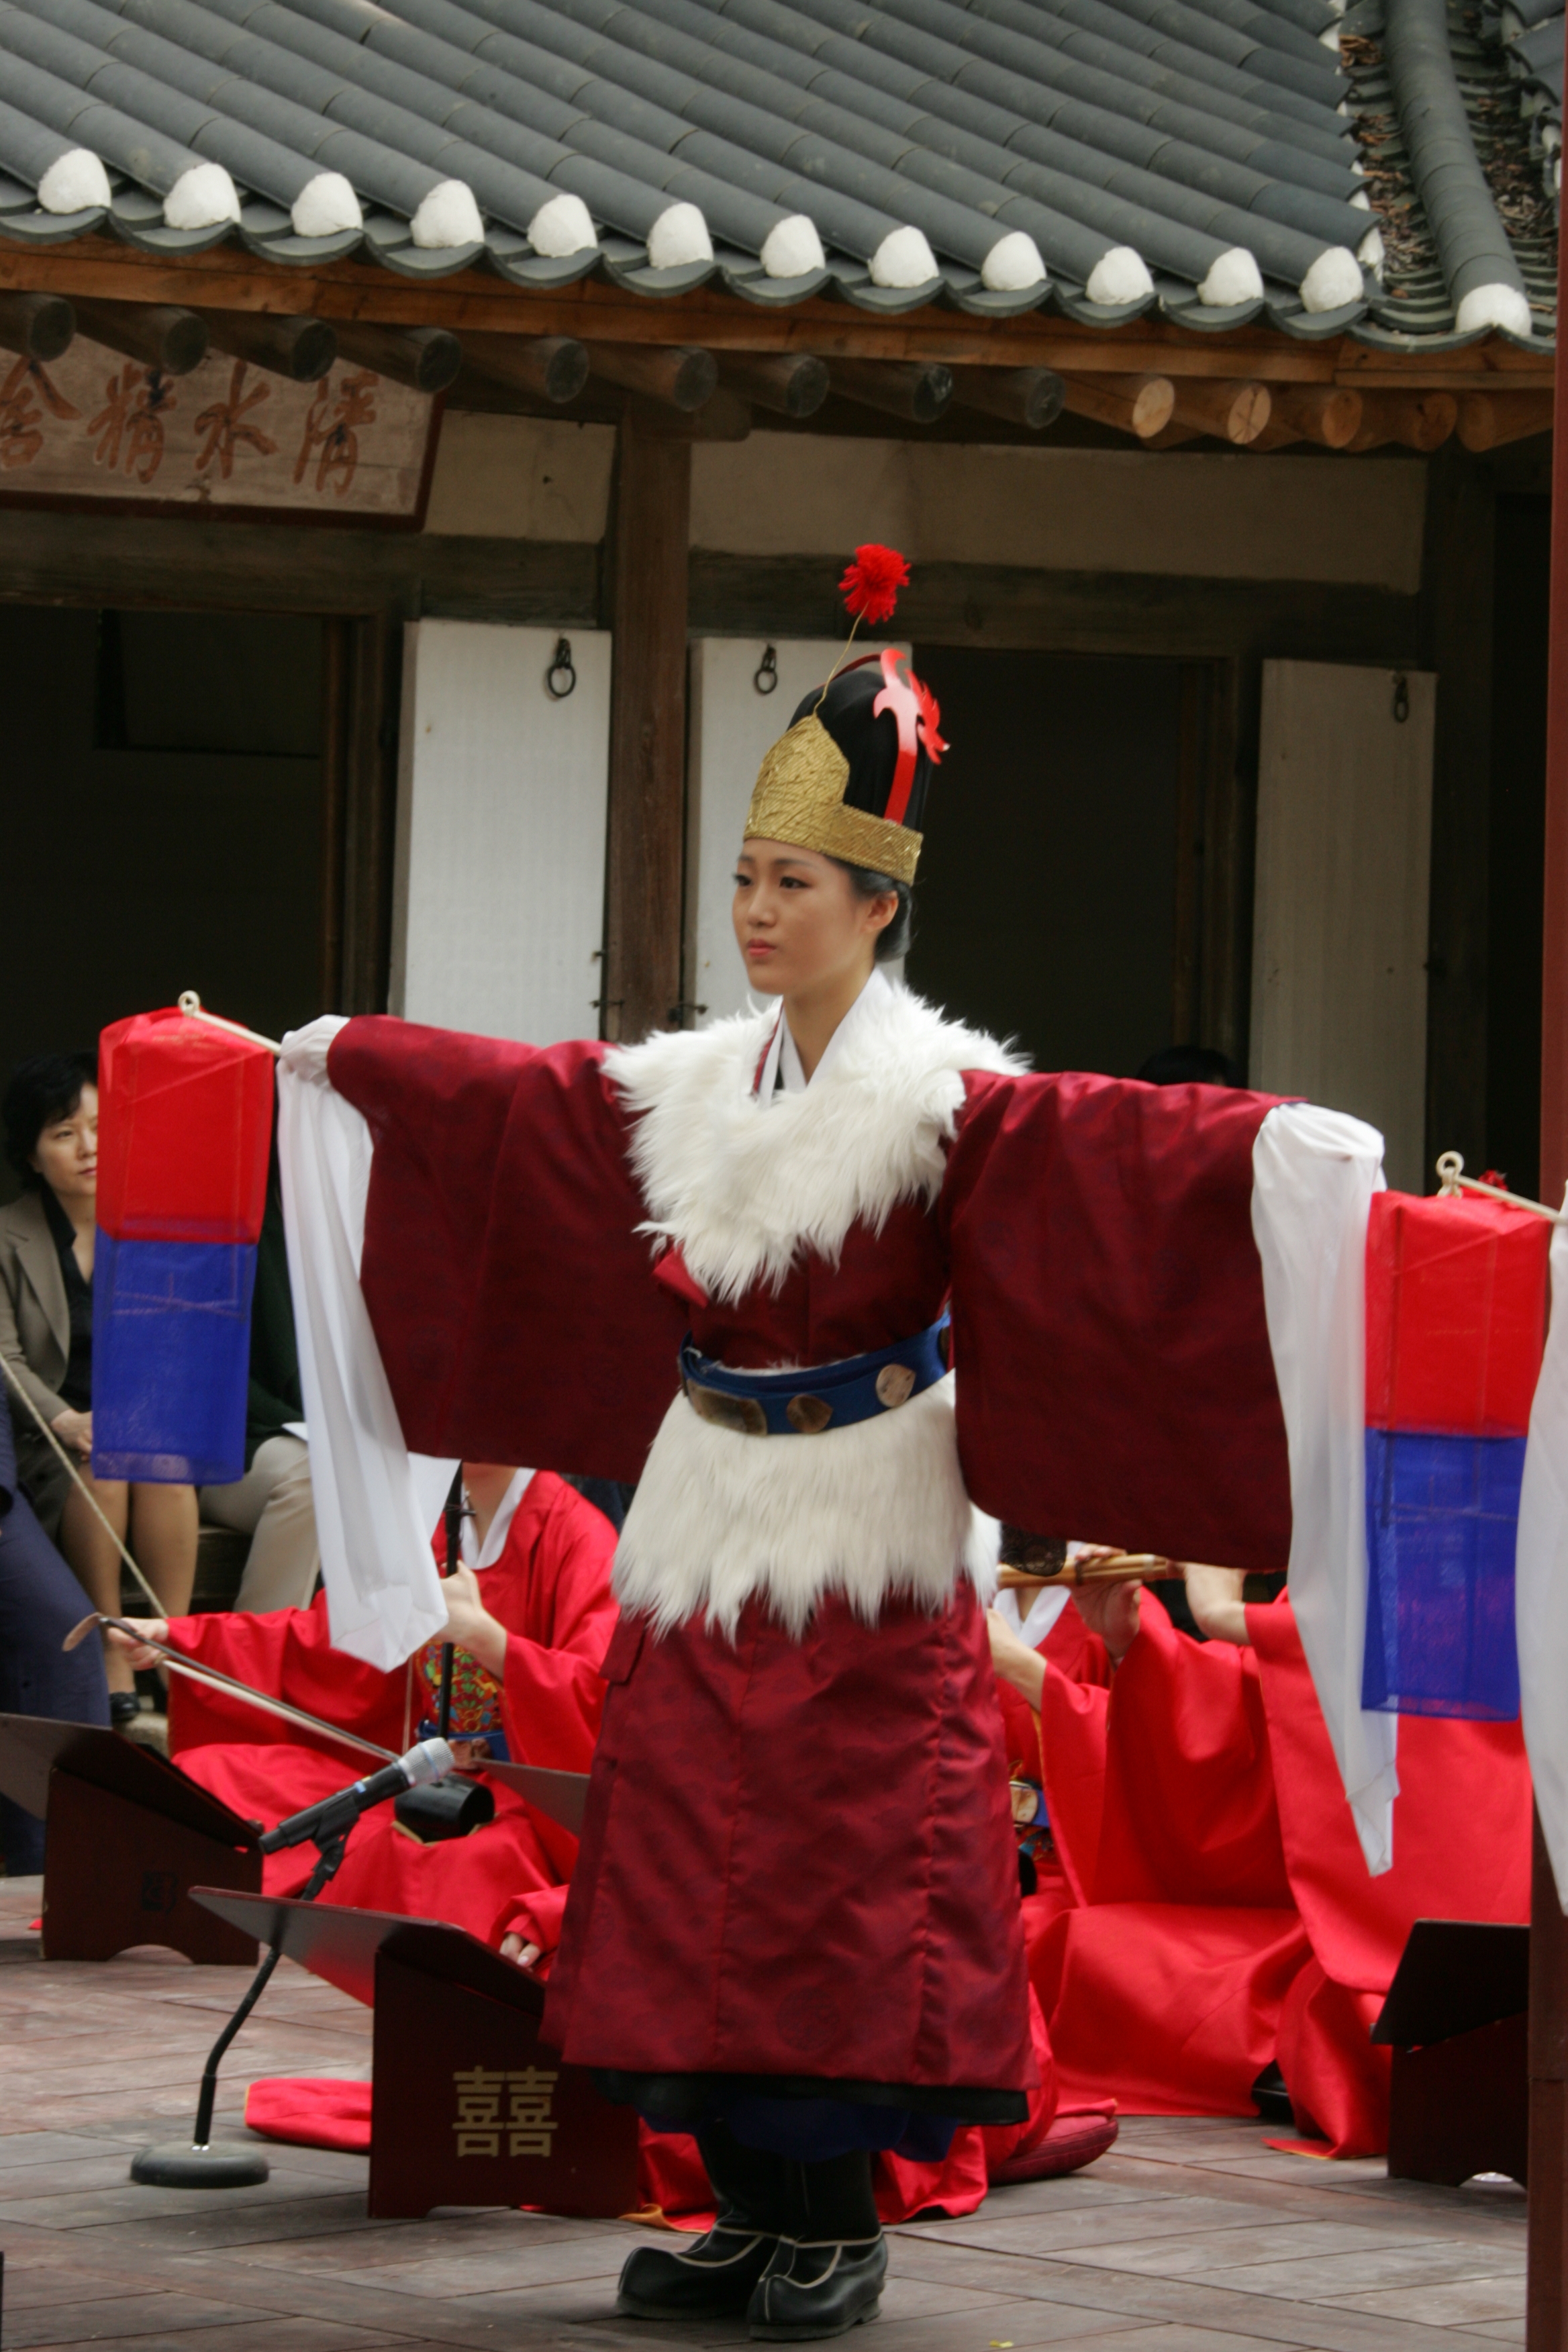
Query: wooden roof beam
{"points": [[301, 349], [1416, 420], [1327, 414], [1488, 420], [1138, 405], [1034, 397], [917, 390], [163, 337], [36, 326], [426, 359], [1236, 413], [792, 383], [551, 367], [678, 377], [357, 290]]}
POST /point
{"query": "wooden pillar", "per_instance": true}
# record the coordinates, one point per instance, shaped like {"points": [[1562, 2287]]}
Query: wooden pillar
{"points": [[1546, 2323], [363, 664], [1548, 2107], [1456, 643], [1211, 982], [650, 528]]}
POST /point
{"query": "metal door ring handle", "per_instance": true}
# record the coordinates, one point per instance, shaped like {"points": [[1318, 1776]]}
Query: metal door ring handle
{"points": [[560, 667]]}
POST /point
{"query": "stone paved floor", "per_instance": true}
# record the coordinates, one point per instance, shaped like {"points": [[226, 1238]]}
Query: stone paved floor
{"points": [[1189, 2237]]}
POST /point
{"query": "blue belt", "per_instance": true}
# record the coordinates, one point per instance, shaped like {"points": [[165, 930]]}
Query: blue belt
{"points": [[823, 1396]]}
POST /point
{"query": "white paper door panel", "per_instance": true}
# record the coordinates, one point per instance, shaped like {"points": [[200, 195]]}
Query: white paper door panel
{"points": [[1340, 928], [731, 726], [498, 896]]}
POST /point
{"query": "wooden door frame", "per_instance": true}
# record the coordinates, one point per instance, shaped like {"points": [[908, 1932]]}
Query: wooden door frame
{"points": [[1216, 817], [362, 671]]}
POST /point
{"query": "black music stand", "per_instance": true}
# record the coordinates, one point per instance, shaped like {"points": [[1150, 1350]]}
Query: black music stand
{"points": [[1456, 2017], [467, 2106], [127, 1835]]}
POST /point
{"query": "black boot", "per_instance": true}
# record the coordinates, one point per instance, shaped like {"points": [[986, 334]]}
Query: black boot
{"points": [[827, 2275], [713, 2277]]}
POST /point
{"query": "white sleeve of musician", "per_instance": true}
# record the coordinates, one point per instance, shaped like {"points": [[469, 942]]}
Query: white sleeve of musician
{"points": [[374, 1503]]}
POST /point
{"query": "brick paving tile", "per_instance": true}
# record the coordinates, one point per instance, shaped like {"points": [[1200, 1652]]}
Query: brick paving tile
{"points": [[1459, 2303], [1339, 2277], [1191, 2236], [123, 2321], [1289, 2259]]}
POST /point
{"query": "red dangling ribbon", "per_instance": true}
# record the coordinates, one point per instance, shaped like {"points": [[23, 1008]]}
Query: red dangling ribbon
{"points": [[915, 713]]}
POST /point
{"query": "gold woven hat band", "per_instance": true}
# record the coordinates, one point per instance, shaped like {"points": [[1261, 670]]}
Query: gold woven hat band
{"points": [[799, 798]]}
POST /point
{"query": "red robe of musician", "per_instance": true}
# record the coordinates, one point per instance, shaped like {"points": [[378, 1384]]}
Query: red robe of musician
{"points": [[550, 1589], [1218, 1914]]}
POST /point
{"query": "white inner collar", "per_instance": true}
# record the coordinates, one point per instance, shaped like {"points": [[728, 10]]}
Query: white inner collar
{"points": [[499, 1527], [1033, 1625], [782, 1061]]}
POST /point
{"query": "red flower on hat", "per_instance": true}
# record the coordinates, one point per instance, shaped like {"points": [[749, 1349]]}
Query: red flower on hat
{"points": [[871, 583]]}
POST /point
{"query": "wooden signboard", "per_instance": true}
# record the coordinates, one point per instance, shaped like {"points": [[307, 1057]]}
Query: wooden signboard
{"points": [[466, 2107], [94, 429], [127, 1836]]}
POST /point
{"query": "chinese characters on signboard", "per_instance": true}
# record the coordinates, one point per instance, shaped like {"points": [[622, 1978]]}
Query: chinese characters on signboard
{"points": [[512, 2107], [93, 425]]}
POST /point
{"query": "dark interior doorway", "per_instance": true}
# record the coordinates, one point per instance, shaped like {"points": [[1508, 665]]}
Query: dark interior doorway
{"points": [[1046, 906], [161, 799]]}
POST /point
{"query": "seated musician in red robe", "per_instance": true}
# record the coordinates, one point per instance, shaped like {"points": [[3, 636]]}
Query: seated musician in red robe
{"points": [[1220, 1921], [531, 1615]]}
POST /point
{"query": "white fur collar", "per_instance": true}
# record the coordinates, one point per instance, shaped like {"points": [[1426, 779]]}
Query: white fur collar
{"points": [[743, 1186]]}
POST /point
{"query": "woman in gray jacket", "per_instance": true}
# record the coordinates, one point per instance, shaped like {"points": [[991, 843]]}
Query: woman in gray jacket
{"points": [[46, 1241]]}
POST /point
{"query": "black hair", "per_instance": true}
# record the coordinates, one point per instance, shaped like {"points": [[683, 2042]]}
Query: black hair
{"points": [[42, 1089], [1186, 1065], [893, 942]]}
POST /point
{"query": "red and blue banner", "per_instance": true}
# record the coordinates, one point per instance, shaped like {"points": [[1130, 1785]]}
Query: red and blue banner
{"points": [[1456, 1319], [185, 1130]]}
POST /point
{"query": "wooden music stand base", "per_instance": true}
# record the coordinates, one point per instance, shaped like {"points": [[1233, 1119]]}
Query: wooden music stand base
{"points": [[466, 2107], [1459, 2098], [127, 1835]]}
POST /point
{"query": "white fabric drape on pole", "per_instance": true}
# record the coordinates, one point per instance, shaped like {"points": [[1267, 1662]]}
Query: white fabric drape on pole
{"points": [[373, 1513], [1314, 1174], [1540, 1579]]}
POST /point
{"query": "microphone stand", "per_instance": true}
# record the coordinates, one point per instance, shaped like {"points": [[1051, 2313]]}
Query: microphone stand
{"points": [[197, 2163]]}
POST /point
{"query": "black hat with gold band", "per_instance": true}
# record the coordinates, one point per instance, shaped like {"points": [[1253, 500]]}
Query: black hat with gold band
{"points": [[849, 777]]}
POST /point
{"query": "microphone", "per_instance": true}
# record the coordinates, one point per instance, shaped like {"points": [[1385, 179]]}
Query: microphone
{"points": [[332, 1817]]}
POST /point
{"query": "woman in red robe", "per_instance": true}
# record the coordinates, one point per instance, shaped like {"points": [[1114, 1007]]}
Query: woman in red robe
{"points": [[532, 1617], [1220, 1920], [794, 1922]]}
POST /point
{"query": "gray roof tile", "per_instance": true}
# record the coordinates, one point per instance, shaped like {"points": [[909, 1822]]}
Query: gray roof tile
{"points": [[1201, 154]]}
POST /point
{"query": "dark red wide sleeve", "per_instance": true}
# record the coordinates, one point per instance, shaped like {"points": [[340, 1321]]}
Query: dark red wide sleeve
{"points": [[1114, 1376], [513, 1298]]}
